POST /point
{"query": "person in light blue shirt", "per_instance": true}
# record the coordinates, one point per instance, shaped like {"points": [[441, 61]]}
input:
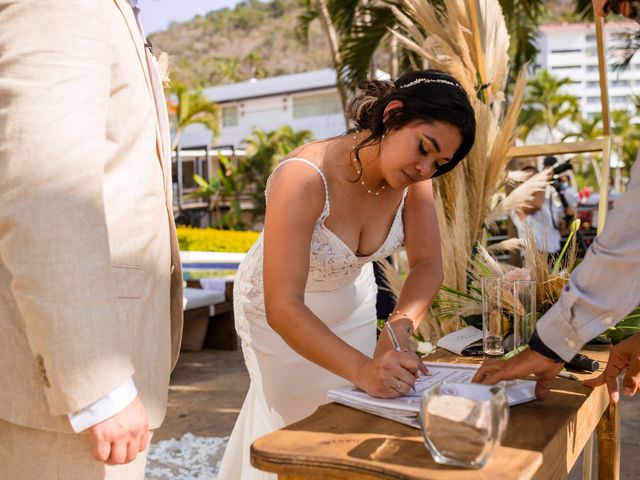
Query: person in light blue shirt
{"points": [[602, 290]]}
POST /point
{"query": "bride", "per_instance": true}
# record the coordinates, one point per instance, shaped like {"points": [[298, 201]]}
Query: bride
{"points": [[305, 294]]}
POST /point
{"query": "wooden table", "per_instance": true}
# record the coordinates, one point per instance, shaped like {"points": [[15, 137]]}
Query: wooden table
{"points": [[543, 441]]}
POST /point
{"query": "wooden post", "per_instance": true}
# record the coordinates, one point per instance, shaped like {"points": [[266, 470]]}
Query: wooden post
{"points": [[603, 204], [609, 444], [609, 426], [477, 41]]}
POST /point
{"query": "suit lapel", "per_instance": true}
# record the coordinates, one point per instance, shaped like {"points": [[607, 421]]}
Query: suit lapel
{"points": [[154, 85]]}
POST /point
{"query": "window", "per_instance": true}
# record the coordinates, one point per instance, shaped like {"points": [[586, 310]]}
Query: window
{"points": [[590, 37], [565, 67], [592, 68], [593, 84], [620, 83], [619, 99], [593, 99], [568, 50], [316, 105], [230, 116]]}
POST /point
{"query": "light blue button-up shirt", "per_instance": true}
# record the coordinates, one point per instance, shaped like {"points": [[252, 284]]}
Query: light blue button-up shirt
{"points": [[605, 287]]}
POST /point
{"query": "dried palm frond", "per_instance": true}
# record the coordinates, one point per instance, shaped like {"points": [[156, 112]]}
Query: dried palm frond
{"points": [[508, 245], [518, 199], [516, 177], [443, 39]]}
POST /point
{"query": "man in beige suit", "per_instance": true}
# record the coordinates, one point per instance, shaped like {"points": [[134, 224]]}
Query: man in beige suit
{"points": [[90, 280]]}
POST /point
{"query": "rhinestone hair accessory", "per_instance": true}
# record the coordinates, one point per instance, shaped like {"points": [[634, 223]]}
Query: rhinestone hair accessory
{"points": [[418, 81]]}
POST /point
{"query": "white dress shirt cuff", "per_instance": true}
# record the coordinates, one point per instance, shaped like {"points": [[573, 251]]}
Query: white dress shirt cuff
{"points": [[104, 408]]}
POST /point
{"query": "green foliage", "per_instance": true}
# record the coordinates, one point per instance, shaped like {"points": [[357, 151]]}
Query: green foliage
{"points": [[546, 105], [264, 151], [191, 107], [225, 189], [212, 240], [624, 134], [236, 179], [627, 327]]}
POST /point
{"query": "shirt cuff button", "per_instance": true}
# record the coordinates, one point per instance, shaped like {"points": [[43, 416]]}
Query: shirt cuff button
{"points": [[571, 344]]}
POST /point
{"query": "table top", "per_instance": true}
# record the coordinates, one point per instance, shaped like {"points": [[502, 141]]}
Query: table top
{"points": [[542, 441]]}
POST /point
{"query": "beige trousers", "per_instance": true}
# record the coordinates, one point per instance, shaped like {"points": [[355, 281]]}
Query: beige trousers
{"points": [[31, 454]]}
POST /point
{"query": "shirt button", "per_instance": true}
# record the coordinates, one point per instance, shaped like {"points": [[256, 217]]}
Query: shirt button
{"points": [[571, 344], [173, 268], [608, 320]]}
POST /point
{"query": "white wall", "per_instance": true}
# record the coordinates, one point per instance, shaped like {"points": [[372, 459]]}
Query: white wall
{"points": [[268, 113], [581, 38]]}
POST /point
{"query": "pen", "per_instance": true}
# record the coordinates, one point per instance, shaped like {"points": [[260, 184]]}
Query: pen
{"points": [[396, 344], [568, 375]]}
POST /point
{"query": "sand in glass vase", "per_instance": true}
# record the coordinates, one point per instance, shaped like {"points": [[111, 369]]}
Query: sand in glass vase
{"points": [[492, 316]]}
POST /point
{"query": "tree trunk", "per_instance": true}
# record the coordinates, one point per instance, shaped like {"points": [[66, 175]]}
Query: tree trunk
{"points": [[176, 139], [334, 44]]}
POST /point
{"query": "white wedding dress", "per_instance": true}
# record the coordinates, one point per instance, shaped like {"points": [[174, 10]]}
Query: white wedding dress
{"points": [[285, 387]]}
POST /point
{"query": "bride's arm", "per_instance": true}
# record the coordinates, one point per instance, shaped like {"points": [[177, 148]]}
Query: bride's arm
{"points": [[422, 243], [295, 201]]}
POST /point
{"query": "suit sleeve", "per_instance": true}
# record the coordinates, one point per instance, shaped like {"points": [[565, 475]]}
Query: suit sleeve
{"points": [[605, 287], [55, 69]]}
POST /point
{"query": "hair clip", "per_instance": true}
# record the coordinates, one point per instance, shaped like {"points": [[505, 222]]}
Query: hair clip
{"points": [[418, 81]]}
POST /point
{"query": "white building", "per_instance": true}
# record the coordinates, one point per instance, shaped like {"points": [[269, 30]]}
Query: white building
{"points": [[569, 50], [305, 101]]}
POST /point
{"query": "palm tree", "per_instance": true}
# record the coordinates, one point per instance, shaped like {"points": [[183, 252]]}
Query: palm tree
{"points": [[587, 128], [625, 137], [328, 12], [264, 151], [545, 105], [361, 27], [188, 107]]}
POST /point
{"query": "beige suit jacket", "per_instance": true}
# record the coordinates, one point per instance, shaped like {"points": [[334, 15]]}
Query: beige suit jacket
{"points": [[90, 279]]}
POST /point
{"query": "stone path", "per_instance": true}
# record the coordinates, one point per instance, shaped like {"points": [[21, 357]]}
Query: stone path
{"points": [[207, 391]]}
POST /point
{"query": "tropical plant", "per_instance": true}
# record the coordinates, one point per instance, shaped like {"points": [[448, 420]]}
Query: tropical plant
{"points": [[325, 11], [362, 27], [224, 191], [264, 151], [625, 137], [246, 178], [546, 105], [188, 107]]}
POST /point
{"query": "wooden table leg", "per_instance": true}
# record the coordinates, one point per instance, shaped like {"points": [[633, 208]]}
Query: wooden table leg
{"points": [[609, 444]]}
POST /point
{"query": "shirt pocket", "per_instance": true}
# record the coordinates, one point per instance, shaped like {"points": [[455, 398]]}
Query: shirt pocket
{"points": [[128, 280]]}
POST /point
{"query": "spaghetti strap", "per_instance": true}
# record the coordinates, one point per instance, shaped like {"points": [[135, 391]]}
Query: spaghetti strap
{"points": [[326, 210]]}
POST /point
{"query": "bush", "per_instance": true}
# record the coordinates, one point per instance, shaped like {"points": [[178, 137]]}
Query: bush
{"points": [[211, 240]]}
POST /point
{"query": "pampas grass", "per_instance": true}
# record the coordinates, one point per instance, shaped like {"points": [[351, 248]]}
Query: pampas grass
{"points": [[464, 197]]}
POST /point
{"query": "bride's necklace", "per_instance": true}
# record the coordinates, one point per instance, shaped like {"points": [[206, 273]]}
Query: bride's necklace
{"points": [[359, 171]]}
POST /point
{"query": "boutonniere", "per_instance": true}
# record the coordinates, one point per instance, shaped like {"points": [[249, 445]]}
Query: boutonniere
{"points": [[163, 69]]}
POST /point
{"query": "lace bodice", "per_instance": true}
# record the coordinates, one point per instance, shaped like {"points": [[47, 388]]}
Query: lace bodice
{"points": [[332, 263]]}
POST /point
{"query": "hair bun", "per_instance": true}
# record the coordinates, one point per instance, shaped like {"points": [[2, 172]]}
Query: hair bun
{"points": [[362, 105]]}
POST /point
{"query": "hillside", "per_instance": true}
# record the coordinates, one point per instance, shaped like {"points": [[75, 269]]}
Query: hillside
{"points": [[254, 39], [258, 39]]}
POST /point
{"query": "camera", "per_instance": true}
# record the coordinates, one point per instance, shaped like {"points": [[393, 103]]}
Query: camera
{"points": [[557, 172]]}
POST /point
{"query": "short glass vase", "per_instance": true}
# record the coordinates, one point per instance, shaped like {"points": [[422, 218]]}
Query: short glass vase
{"points": [[462, 423]]}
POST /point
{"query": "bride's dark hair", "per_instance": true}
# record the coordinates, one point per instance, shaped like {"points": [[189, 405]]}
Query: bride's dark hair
{"points": [[427, 96]]}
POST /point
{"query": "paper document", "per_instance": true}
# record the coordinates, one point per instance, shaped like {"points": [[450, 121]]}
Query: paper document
{"points": [[457, 341], [405, 409]]}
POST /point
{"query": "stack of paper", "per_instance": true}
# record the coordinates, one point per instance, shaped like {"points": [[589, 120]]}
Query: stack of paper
{"points": [[405, 409]]}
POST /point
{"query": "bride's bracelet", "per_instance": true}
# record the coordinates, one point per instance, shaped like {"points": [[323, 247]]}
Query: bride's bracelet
{"points": [[401, 315]]}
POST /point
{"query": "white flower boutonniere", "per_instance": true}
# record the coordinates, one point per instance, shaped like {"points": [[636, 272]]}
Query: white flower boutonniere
{"points": [[163, 68]]}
